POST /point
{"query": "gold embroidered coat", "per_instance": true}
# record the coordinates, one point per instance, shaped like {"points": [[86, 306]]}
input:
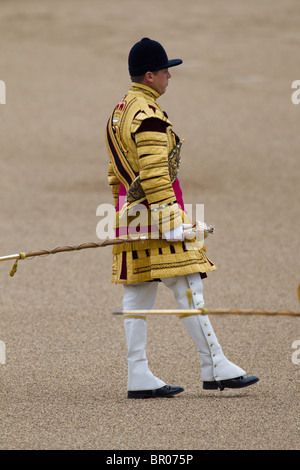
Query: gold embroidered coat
{"points": [[142, 172]]}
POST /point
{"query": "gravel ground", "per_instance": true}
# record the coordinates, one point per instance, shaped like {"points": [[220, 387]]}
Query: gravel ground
{"points": [[64, 63]]}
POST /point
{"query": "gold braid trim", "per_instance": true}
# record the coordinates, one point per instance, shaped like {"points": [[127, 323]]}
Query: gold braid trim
{"points": [[136, 192]]}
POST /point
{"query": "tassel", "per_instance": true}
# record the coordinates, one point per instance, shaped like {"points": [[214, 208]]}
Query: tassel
{"points": [[15, 266]]}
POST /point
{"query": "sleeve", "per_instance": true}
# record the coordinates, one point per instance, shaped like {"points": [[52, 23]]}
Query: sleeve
{"points": [[114, 183], [152, 147]]}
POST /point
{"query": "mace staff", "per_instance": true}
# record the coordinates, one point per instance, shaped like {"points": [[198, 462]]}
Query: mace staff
{"points": [[204, 311], [61, 249], [190, 234]]}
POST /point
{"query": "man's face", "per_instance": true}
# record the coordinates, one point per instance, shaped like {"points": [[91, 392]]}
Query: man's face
{"points": [[161, 80]]}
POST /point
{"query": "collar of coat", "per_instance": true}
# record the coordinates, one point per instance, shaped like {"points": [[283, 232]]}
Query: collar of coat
{"points": [[142, 89]]}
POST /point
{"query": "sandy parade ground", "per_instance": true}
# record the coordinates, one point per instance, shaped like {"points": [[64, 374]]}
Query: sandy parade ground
{"points": [[63, 374]]}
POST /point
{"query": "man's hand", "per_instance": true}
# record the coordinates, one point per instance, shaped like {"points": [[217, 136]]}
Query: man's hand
{"points": [[177, 234]]}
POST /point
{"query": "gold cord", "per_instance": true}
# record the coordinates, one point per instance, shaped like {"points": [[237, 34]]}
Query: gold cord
{"points": [[15, 266]]}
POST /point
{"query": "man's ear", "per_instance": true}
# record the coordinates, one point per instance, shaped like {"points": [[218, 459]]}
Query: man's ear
{"points": [[149, 77]]}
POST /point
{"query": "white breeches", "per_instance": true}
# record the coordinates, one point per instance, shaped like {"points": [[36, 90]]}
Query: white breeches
{"points": [[214, 364]]}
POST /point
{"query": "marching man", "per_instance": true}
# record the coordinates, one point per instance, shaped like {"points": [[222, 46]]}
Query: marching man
{"points": [[144, 157]]}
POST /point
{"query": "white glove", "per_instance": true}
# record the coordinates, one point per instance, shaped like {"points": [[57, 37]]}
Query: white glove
{"points": [[202, 228], [176, 234]]}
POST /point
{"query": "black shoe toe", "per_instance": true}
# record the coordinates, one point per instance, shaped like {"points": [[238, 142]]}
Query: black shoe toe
{"points": [[238, 382], [166, 391]]}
